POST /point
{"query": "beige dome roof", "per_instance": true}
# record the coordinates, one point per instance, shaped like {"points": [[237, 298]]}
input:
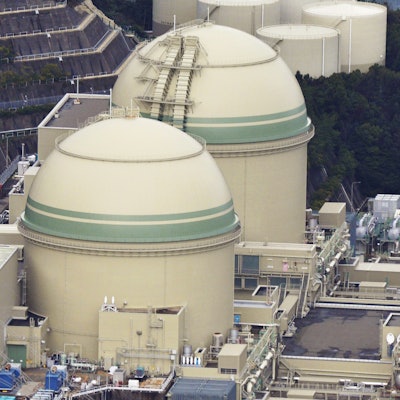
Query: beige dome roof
{"points": [[130, 180], [162, 143], [215, 82]]}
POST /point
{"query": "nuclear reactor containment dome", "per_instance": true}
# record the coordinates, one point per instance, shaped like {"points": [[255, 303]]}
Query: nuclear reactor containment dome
{"points": [[166, 13], [237, 93], [132, 208], [247, 16], [362, 29], [320, 43]]}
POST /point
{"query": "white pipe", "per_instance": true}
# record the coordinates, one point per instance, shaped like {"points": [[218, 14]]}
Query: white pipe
{"points": [[350, 33], [323, 57], [338, 256], [253, 378], [361, 221], [262, 15]]}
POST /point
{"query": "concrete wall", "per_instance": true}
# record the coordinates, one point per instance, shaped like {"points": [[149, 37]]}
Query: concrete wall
{"points": [[9, 289], [269, 193], [151, 340], [69, 288]]}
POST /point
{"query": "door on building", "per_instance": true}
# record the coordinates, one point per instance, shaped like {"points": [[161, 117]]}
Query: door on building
{"points": [[17, 353]]}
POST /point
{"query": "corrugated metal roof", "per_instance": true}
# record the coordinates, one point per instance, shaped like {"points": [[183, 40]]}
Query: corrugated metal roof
{"points": [[199, 389]]}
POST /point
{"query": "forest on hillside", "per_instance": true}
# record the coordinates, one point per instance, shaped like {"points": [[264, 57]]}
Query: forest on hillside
{"points": [[357, 121], [131, 15]]}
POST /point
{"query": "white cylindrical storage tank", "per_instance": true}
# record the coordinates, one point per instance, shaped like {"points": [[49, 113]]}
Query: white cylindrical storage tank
{"points": [[135, 208], [309, 49], [238, 94], [362, 28], [166, 13], [291, 10], [247, 16]]}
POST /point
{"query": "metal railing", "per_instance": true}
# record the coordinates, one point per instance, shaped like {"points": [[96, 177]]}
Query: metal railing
{"points": [[39, 32], [62, 53], [44, 6], [16, 104]]}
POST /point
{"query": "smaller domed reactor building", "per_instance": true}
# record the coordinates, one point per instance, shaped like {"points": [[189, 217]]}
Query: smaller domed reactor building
{"points": [[151, 228], [234, 91]]}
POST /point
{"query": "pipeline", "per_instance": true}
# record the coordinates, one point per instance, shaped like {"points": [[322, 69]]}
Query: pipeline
{"points": [[251, 380], [361, 221], [371, 225]]}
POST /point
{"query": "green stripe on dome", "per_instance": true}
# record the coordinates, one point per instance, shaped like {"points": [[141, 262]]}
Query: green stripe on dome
{"points": [[116, 228], [255, 118], [249, 129]]}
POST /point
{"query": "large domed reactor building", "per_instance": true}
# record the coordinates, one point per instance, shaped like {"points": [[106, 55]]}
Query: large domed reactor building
{"points": [[234, 91], [153, 225]]}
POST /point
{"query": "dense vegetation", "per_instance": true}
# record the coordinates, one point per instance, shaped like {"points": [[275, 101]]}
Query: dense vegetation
{"points": [[135, 15], [50, 71], [357, 120]]}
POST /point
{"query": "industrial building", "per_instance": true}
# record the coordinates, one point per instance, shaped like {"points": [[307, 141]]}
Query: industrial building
{"points": [[257, 130], [178, 236], [165, 238]]}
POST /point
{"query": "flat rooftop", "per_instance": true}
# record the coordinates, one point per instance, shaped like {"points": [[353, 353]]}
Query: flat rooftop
{"points": [[70, 113], [337, 333], [6, 252]]}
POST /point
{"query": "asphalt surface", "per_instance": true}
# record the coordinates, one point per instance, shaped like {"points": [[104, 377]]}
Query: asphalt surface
{"points": [[337, 333]]}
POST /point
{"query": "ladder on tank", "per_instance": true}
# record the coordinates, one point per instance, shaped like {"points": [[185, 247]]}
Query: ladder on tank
{"points": [[161, 88], [184, 80], [302, 302]]}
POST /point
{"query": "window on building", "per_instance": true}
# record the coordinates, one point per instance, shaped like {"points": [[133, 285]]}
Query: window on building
{"points": [[250, 265]]}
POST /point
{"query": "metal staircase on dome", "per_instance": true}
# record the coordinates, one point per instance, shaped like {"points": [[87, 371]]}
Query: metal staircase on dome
{"points": [[164, 78], [178, 67], [184, 81]]}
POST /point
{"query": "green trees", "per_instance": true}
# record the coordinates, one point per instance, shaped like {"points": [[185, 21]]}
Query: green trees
{"points": [[130, 14], [27, 74], [357, 120]]}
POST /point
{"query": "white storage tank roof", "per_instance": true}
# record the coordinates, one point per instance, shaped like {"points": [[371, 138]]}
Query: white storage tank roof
{"points": [[309, 49], [247, 16], [291, 10], [133, 177], [168, 12], [362, 29]]}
